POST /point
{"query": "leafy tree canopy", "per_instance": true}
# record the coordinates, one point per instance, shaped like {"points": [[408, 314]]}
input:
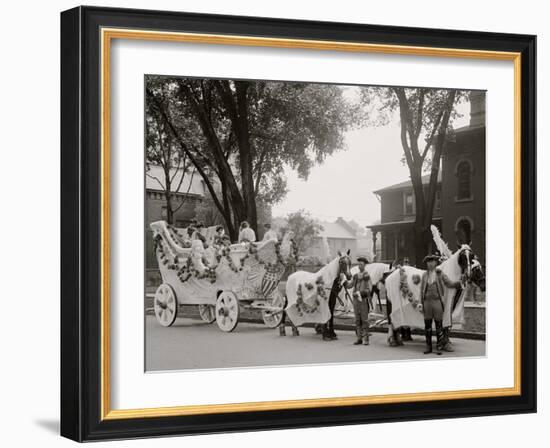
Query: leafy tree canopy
{"points": [[244, 134]]}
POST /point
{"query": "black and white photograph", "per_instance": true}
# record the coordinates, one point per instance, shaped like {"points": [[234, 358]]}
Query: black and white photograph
{"points": [[296, 223]]}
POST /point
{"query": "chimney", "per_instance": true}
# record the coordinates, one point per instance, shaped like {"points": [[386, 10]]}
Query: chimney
{"points": [[477, 108]]}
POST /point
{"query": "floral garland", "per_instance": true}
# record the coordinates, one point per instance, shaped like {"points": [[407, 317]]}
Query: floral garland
{"points": [[186, 270], [303, 307], [225, 252], [404, 286], [178, 237], [294, 253], [159, 247]]}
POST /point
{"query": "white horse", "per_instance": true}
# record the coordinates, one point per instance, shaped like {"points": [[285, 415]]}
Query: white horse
{"points": [[403, 292], [308, 294]]}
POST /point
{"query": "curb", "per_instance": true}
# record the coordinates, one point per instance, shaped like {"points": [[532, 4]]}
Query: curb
{"points": [[349, 327]]}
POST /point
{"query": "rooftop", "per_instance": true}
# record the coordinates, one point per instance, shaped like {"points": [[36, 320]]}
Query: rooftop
{"points": [[407, 184], [336, 231], [191, 185]]}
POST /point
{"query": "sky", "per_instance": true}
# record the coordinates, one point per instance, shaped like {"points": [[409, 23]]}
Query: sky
{"points": [[343, 185]]}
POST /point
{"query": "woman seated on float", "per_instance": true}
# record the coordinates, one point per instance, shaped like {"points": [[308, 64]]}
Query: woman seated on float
{"points": [[246, 233]]}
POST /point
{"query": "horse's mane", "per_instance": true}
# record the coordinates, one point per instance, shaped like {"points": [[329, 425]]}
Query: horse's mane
{"points": [[327, 271], [375, 270]]}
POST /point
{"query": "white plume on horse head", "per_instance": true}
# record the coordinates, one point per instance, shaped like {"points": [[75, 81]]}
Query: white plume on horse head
{"points": [[440, 244]]}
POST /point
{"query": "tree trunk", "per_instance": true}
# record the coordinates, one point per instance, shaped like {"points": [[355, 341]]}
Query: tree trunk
{"points": [[421, 244], [224, 171], [169, 212], [168, 195], [245, 153]]}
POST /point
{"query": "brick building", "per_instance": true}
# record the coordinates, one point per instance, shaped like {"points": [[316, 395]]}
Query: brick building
{"points": [[191, 192], [459, 210]]}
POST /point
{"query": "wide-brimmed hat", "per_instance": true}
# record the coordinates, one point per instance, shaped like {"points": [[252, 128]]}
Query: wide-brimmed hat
{"points": [[363, 259], [431, 257]]}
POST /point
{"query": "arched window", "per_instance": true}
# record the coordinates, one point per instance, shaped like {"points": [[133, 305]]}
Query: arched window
{"points": [[464, 180], [464, 227]]}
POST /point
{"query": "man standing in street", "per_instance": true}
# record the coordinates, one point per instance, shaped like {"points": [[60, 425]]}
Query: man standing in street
{"points": [[432, 289], [362, 287]]}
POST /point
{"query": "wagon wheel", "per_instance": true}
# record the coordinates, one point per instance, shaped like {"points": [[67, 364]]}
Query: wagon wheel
{"points": [[166, 305], [274, 319], [227, 311], [207, 313]]}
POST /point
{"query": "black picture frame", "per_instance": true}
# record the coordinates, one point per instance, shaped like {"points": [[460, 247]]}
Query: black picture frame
{"points": [[81, 224]]}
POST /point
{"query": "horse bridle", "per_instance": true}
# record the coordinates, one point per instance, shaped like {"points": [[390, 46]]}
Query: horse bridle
{"points": [[468, 272], [343, 262]]}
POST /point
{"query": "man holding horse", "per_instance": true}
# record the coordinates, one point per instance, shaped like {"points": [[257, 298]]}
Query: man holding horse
{"points": [[362, 287], [432, 290]]}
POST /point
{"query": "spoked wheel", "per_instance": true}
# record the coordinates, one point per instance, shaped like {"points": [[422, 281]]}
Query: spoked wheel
{"points": [[227, 311], [166, 305], [274, 319], [207, 313]]}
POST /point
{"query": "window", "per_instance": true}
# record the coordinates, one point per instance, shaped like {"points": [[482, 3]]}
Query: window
{"points": [[437, 205], [464, 227], [408, 200], [464, 180]]}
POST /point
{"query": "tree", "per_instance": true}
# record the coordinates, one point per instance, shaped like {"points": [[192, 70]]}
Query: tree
{"points": [[424, 114], [207, 213], [242, 135], [161, 150], [304, 227]]}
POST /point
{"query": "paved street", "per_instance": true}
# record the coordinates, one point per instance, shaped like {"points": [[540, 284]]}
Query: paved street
{"points": [[193, 344]]}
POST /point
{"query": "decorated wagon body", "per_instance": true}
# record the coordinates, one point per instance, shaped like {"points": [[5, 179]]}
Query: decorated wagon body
{"points": [[221, 280]]}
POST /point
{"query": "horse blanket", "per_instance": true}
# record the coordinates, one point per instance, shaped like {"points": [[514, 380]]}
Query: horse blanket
{"points": [[403, 291]]}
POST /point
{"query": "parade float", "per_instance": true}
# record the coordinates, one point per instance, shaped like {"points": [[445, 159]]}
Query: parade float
{"points": [[220, 279]]}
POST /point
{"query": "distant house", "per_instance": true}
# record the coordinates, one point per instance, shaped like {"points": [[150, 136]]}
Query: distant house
{"points": [[337, 236], [459, 210]]}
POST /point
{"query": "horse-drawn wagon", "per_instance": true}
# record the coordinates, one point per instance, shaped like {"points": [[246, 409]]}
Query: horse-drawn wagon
{"points": [[221, 279]]}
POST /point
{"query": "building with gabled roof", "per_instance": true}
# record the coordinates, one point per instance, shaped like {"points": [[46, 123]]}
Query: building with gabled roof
{"points": [[459, 209]]}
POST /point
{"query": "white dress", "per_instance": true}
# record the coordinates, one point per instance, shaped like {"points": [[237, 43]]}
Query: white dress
{"points": [[247, 234], [270, 235]]}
